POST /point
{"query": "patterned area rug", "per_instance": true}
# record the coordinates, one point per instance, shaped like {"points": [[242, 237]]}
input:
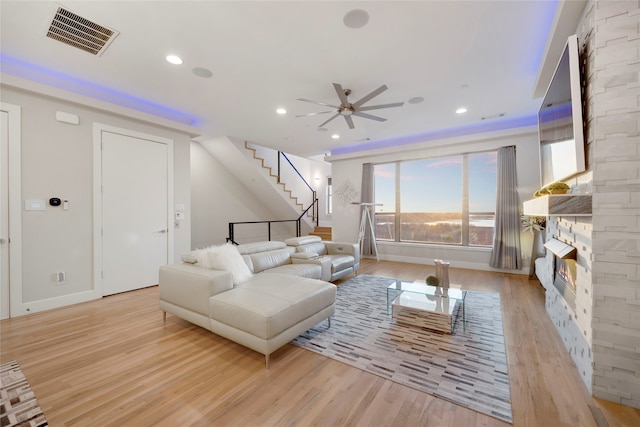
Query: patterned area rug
{"points": [[468, 368], [18, 404]]}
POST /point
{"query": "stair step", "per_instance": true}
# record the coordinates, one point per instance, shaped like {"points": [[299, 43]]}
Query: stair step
{"points": [[325, 233]]}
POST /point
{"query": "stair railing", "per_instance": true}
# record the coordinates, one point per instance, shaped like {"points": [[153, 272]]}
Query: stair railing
{"points": [[298, 223], [287, 174], [293, 179]]}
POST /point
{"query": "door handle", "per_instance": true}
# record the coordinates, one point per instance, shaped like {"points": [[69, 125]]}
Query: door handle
{"points": [[162, 231]]}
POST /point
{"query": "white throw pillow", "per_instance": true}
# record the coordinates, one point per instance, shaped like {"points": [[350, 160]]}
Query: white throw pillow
{"points": [[225, 257]]}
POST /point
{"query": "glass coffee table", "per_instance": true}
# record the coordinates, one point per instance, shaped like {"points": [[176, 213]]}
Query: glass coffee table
{"points": [[419, 304]]}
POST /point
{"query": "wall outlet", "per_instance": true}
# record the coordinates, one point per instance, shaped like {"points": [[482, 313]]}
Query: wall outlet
{"points": [[61, 278]]}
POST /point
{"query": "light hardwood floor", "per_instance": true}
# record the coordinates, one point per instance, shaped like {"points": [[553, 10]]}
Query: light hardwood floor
{"points": [[113, 362]]}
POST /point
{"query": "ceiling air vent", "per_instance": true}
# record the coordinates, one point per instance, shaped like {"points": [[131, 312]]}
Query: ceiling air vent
{"points": [[74, 30]]}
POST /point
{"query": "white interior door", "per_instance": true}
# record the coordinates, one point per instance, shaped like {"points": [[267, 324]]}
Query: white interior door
{"points": [[4, 215], [135, 223]]}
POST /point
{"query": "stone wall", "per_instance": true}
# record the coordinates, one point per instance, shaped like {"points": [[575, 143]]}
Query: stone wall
{"points": [[613, 115], [574, 326], [603, 333]]}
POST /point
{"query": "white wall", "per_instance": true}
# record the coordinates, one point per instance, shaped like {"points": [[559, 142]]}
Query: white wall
{"points": [[57, 162], [217, 198], [347, 171]]}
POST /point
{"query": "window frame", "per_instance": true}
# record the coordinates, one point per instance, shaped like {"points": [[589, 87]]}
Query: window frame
{"points": [[465, 201]]}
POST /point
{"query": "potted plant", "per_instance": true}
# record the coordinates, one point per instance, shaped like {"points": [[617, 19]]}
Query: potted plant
{"points": [[557, 188]]}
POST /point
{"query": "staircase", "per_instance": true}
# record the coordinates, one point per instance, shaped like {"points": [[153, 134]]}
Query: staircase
{"points": [[265, 165], [288, 196], [323, 232], [293, 184]]}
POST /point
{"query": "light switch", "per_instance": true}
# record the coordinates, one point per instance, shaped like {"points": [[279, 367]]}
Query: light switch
{"points": [[180, 207], [35, 205]]}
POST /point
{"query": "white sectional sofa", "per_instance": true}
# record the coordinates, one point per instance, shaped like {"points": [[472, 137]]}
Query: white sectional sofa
{"points": [[341, 258], [280, 299]]}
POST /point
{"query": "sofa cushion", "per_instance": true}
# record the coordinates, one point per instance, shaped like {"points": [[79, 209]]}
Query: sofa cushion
{"points": [[313, 248], [268, 304], [190, 257], [252, 248], [340, 262], [312, 271], [261, 261], [225, 257], [303, 240]]}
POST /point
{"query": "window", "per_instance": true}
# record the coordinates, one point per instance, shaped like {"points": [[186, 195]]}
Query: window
{"points": [[384, 181], [447, 200]]}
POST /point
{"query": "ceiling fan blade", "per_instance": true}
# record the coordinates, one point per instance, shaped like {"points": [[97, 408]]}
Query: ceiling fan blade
{"points": [[377, 107], [341, 94], [315, 114], [330, 118], [349, 121], [369, 116], [369, 97], [324, 104]]}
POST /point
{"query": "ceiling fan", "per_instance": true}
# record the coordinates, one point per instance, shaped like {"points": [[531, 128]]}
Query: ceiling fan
{"points": [[347, 109]]}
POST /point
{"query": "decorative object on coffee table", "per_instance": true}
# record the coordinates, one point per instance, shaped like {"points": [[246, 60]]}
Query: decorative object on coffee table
{"points": [[442, 272], [432, 281]]}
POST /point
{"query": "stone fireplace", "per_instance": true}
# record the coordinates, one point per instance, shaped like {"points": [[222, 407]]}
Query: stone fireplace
{"points": [[566, 274], [602, 332]]}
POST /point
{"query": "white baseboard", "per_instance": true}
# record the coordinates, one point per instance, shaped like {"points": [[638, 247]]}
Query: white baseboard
{"points": [[56, 302], [455, 264]]}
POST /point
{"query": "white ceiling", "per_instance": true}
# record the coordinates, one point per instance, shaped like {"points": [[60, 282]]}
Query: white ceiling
{"points": [[483, 55]]}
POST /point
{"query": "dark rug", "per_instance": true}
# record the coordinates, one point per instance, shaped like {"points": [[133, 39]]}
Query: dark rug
{"points": [[18, 404], [468, 367]]}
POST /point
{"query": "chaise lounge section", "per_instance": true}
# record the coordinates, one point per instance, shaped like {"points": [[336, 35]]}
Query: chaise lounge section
{"points": [[263, 312]]}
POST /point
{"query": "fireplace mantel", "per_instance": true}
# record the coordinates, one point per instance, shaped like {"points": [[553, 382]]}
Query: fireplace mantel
{"points": [[558, 205]]}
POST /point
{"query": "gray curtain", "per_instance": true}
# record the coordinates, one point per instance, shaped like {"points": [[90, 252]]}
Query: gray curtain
{"points": [[368, 196], [506, 242]]}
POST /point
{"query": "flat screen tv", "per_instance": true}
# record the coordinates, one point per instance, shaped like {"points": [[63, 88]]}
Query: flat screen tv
{"points": [[560, 126]]}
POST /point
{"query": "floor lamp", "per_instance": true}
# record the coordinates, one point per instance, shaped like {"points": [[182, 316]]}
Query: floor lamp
{"points": [[366, 217]]}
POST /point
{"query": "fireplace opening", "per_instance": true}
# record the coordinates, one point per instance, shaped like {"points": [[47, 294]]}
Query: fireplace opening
{"points": [[565, 270], [564, 279]]}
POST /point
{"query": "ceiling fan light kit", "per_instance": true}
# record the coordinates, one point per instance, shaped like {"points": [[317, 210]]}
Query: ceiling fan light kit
{"points": [[347, 109]]}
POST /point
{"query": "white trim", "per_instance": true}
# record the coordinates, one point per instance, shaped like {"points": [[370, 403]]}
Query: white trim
{"points": [[482, 266], [16, 307], [98, 129], [59, 301]]}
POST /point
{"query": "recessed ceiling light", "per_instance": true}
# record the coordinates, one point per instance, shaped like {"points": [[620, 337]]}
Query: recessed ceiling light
{"points": [[461, 110], [281, 111], [356, 18], [174, 59], [335, 136], [202, 72]]}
